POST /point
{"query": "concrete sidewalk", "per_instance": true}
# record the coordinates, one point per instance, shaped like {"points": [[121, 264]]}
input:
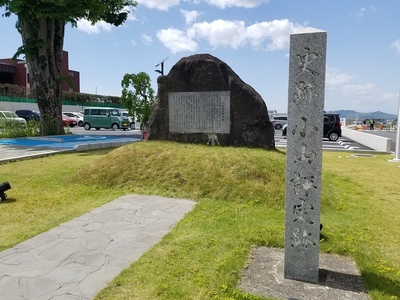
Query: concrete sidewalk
{"points": [[77, 259], [11, 153]]}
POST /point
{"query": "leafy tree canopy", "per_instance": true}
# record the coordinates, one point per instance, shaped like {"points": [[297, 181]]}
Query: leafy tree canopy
{"points": [[41, 24], [114, 12], [138, 96]]}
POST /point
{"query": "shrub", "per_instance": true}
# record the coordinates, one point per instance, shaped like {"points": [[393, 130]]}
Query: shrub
{"points": [[13, 130]]}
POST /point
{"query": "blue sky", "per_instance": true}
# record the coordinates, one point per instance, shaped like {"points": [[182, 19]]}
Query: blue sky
{"points": [[252, 37]]}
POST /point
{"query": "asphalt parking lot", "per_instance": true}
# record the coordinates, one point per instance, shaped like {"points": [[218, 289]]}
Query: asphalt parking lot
{"points": [[80, 140], [343, 144], [70, 141]]}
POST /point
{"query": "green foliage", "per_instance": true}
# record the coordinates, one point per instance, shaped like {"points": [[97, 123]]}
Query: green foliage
{"points": [[13, 130], [240, 194], [57, 13], [138, 95], [12, 90], [113, 12], [34, 204], [88, 99], [16, 93], [42, 28]]}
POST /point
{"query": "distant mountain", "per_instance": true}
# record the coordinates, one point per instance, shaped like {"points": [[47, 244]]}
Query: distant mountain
{"points": [[351, 114]]}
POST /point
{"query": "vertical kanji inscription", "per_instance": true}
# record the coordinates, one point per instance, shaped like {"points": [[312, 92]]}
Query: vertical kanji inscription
{"points": [[304, 155]]}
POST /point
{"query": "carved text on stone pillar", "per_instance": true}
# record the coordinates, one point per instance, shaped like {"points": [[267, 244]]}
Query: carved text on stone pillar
{"points": [[304, 155]]}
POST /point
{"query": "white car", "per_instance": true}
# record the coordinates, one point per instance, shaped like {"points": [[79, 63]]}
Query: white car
{"points": [[126, 114], [278, 121], [77, 116], [9, 117]]}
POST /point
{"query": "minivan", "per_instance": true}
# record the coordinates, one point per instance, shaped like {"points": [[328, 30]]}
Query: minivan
{"points": [[104, 117], [332, 127], [279, 121]]}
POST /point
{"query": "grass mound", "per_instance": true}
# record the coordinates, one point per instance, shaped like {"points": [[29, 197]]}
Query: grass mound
{"points": [[193, 171]]}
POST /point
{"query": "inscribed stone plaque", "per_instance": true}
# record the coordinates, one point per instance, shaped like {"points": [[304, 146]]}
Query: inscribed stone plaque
{"points": [[199, 112], [304, 155]]}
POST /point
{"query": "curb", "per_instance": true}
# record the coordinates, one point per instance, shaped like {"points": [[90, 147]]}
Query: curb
{"points": [[96, 146], [36, 155], [77, 148]]}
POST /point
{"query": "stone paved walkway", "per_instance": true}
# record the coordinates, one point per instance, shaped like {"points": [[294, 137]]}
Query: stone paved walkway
{"points": [[77, 259]]}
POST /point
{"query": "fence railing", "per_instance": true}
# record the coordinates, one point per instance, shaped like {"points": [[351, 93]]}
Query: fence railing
{"points": [[16, 93]]}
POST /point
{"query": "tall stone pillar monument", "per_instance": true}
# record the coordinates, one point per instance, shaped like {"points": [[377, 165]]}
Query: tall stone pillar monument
{"points": [[304, 155]]}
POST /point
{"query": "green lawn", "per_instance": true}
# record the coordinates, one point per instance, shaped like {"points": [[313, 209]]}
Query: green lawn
{"points": [[240, 194]]}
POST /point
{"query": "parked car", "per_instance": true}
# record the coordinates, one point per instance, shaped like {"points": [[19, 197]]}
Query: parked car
{"points": [[68, 121], [131, 122], [104, 117], [77, 116], [28, 114], [279, 121], [332, 127], [10, 118]]}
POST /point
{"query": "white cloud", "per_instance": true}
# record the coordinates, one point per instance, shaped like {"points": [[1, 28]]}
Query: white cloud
{"points": [[277, 32], [272, 36], [354, 94], [159, 4], [86, 26], [361, 12], [390, 96], [396, 45], [220, 33], [335, 79], [165, 5], [146, 39], [343, 82], [176, 40], [130, 10], [190, 16], [131, 17], [359, 89], [367, 95], [133, 43], [235, 3], [365, 10]]}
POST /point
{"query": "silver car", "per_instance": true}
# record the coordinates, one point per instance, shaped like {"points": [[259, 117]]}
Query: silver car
{"points": [[10, 118], [279, 121]]}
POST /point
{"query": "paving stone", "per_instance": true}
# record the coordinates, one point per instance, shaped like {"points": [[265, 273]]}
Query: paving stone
{"points": [[80, 257]]}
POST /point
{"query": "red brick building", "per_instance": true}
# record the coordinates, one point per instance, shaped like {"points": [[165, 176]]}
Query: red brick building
{"points": [[16, 72]]}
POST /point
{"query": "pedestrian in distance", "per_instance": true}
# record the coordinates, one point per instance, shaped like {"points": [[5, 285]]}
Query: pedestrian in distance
{"points": [[371, 124]]}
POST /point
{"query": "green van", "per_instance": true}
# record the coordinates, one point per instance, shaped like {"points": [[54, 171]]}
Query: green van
{"points": [[104, 117]]}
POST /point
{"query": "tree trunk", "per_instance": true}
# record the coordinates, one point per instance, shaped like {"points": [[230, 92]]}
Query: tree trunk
{"points": [[44, 61]]}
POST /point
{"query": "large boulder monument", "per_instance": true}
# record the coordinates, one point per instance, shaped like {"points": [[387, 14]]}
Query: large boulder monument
{"points": [[202, 100]]}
